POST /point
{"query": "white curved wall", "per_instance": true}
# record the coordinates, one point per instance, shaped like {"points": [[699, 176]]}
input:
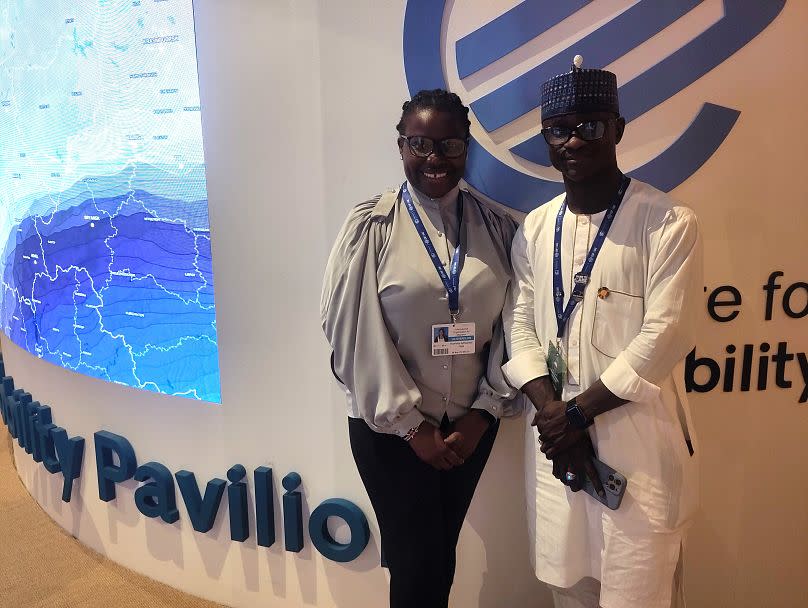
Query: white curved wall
{"points": [[299, 126]]}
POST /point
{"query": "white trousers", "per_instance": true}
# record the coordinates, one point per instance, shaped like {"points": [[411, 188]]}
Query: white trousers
{"points": [[586, 592]]}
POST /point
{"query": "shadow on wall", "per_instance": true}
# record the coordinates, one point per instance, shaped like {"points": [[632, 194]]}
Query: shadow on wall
{"points": [[366, 579], [507, 547], [361, 582]]}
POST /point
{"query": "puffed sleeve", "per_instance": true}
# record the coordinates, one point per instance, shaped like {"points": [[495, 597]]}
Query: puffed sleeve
{"points": [[364, 358], [668, 332], [494, 394]]}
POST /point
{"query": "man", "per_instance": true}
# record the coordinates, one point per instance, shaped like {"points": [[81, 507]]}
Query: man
{"points": [[607, 284]]}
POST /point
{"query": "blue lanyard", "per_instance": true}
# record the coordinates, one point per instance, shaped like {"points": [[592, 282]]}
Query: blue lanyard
{"points": [[450, 281], [581, 278]]}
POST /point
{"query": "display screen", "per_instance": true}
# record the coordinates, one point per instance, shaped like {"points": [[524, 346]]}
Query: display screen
{"points": [[105, 249]]}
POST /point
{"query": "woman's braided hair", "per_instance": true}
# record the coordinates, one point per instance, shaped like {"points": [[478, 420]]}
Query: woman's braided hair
{"points": [[437, 99]]}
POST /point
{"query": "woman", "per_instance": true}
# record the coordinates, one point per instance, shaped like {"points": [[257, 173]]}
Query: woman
{"points": [[421, 425]]}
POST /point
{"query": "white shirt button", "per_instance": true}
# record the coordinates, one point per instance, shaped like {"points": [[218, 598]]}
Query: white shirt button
{"points": [[584, 220], [440, 234], [445, 366], [446, 399]]}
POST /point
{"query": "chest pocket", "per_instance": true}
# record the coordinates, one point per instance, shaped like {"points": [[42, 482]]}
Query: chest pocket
{"points": [[617, 320]]}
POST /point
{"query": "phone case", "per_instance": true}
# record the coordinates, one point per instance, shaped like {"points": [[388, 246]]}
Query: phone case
{"points": [[613, 482]]}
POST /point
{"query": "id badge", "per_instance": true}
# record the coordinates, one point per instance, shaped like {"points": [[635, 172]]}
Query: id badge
{"points": [[453, 339], [557, 365]]}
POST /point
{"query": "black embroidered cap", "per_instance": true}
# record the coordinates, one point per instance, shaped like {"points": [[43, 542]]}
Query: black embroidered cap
{"points": [[579, 91]]}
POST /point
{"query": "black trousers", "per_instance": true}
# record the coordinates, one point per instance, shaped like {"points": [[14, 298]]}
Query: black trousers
{"points": [[420, 511]]}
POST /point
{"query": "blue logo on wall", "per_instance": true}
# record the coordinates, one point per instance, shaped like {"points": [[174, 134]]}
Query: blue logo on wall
{"points": [[510, 163]]}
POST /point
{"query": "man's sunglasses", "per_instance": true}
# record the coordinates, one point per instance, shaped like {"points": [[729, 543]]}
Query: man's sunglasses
{"points": [[422, 147], [589, 130]]}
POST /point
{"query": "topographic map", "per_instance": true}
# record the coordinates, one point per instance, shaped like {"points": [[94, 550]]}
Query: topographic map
{"points": [[105, 251]]}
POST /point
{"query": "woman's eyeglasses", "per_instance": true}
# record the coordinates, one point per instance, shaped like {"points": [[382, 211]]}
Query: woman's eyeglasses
{"points": [[421, 146]]}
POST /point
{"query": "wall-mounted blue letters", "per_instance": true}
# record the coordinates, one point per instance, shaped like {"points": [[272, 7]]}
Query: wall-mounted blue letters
{"points": [[32, 425], [351, 515], [70, 452], [106, 445], [156, 498], [202, 511], [264, 507], [237, 502], [292, 513]]}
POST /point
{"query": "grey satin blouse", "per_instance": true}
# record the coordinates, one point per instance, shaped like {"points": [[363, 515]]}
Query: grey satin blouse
{"points": [[381, 296]]}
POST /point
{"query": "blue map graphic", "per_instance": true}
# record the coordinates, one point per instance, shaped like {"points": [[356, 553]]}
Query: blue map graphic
{"points": [[105, 250]]}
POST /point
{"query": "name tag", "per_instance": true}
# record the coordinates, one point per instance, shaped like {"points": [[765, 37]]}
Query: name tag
{"points": [[453, 339], [557, 365]]}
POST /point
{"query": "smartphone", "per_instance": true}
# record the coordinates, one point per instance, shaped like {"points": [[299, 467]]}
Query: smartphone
{"points": [[613, 482]]}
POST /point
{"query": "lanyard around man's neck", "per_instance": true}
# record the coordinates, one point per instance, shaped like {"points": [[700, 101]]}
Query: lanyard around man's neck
{"points": [[581, 278]]}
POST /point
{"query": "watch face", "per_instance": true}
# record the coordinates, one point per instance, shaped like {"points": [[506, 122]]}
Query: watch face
{"points": [[576, 416]]}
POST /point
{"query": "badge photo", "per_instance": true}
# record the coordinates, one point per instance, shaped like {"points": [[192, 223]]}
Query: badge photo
{"points": [[453, 339]]}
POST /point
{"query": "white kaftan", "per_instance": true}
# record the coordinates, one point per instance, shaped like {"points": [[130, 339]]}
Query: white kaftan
{"points": [[634, 340]]}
